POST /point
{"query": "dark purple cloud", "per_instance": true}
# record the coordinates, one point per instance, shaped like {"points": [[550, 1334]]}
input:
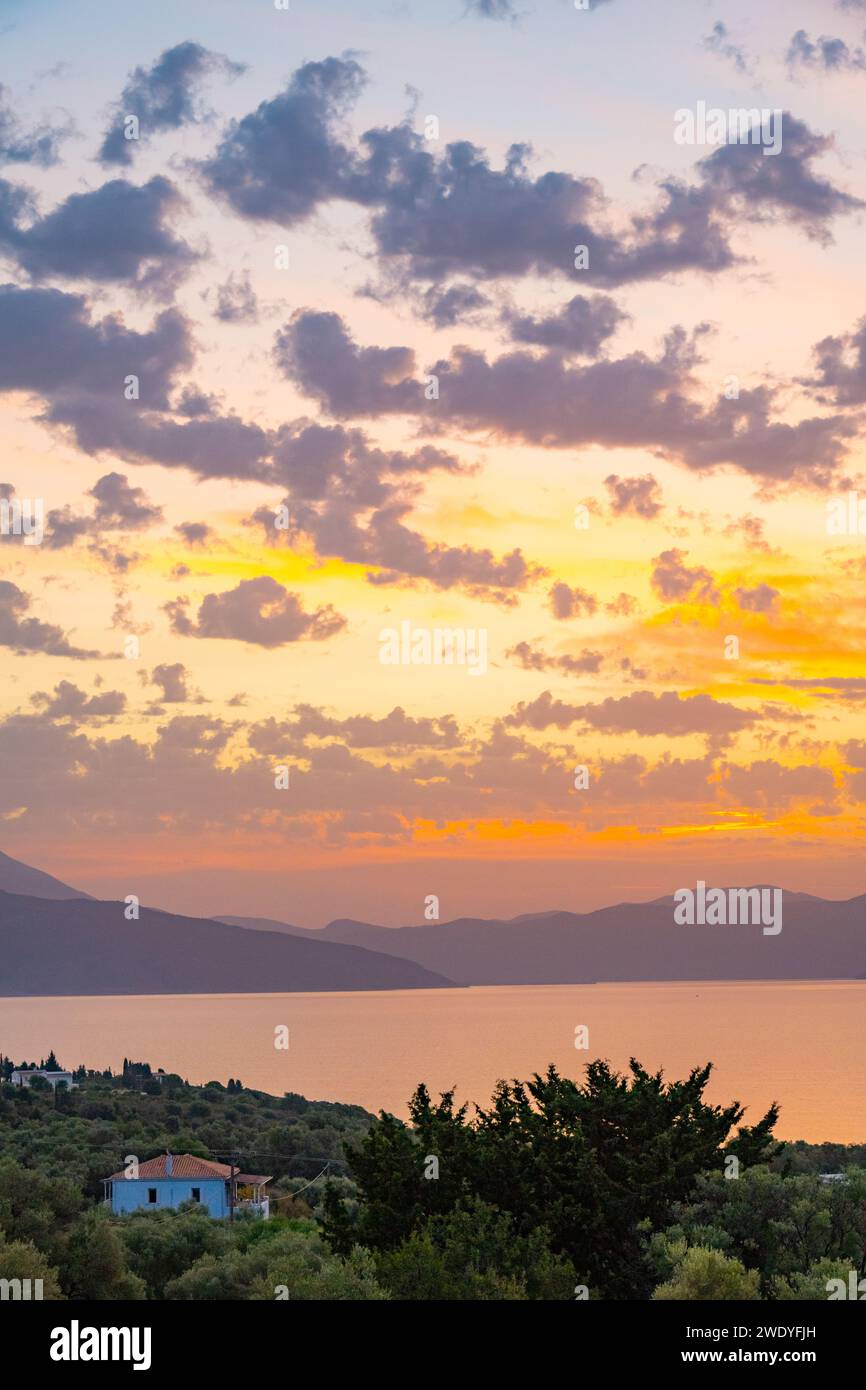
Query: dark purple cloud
{"points": [[675, 582], [259, 611], [763, 598], [172, 680], [841, 366], [531, 659], [315, 350], [640, 496], [27, 636], [581, 327], [236, 301], [394, 731], [566, 602], [641, 712], [638, 401], [162, 97], [824, 53], [783, 185], [280, 162], [120, 232], [69, 702]]}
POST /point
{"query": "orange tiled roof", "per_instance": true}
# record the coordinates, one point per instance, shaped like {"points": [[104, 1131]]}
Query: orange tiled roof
{"points": [[188, 1166]]}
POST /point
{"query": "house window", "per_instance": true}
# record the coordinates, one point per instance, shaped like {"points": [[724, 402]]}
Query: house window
{"points": [[151, 1194], [196, 1194]]}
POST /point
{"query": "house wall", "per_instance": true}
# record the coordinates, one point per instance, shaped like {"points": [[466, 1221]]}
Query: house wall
{"points": [[130, 1194], [52, 1077]]}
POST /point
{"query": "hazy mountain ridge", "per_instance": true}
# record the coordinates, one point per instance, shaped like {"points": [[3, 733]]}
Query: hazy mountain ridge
{"points": [[16, 877], [820, 939], [85, 946]]}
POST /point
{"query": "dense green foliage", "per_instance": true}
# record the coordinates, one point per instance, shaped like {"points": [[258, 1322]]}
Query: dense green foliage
{"points": [[620, 1187], [87, 1132]]}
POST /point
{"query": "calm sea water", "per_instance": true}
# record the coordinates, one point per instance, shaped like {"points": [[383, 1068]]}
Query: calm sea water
{"points": [[799, 1043]]}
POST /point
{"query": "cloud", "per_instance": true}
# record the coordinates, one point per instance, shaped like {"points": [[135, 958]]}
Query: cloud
{"points": [[492, 9], [446, 306], [750, 529], [719, 42], [172, 681], [566, 602], [855, 753], [259, 611], [394, 731], [236, 301], [39, 146], [436, 216], [69, 702], [636, 401], [844, 688], [50, 346], [769, 783], [841, 366], [581, 327], [762, 599], [162, 97], [784, 185], [194, 532], [313, 460], [281, 161], [531, 659], [315, 350], [640, 496], [675, 582], [348, 496], [120, 506], [642, 712], [27, 636], [119, 233], [825, 53]]}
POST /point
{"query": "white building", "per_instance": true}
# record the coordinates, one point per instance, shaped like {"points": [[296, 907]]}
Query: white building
{"points": [[54, 1078]]}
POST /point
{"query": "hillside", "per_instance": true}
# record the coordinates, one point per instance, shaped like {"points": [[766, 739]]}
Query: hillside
{"points": [[16, 877], [820, 939], [82, 946]]}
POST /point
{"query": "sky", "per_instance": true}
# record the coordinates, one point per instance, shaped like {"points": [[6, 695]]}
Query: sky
{"points": [[324, 324]]}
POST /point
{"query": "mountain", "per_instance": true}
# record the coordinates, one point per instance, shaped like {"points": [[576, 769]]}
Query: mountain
{"points": [[84, 946], [270, 924], [16, 877], [820, 939]]}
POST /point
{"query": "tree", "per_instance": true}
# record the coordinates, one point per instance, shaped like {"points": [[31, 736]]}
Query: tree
{"points": [[295, 1261], [37, 1209], [706, 1275], [779, 1226], [20, 1259], [475, 1253], [96, 1262], [593, 1164], [161, 1245], [815, 1283]]}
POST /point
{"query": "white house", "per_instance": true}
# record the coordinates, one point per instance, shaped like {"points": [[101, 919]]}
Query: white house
{"points": [[24, 1076]]}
